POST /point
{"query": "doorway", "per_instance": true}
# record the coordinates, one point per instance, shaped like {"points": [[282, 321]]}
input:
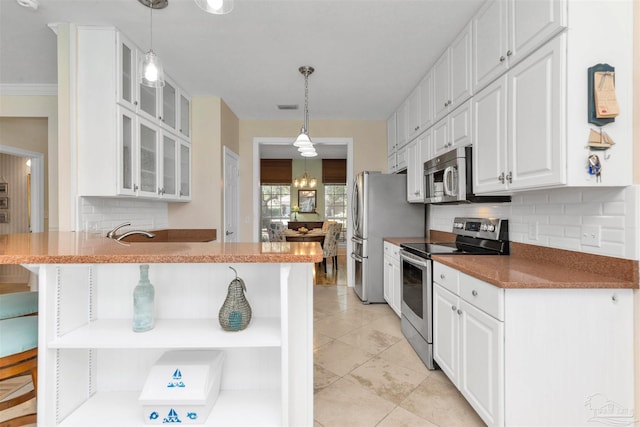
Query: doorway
{"points": [[260, 143]]}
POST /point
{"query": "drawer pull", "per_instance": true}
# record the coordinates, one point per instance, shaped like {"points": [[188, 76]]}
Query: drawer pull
{"points": [[474, 293]]}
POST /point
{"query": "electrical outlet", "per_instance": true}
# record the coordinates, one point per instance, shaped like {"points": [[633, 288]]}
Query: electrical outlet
{"points": [[590, 235], [533, 230]]}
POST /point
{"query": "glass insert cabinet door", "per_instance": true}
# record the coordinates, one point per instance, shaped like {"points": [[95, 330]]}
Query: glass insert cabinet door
{"points": [[169, 166], [127, 124], [149, 101], [148, 156], [185, 170], [185, 116], [169, 104], [127, 82]]}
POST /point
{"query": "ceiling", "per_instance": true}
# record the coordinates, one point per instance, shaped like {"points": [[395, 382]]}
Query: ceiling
{"points": [[368, 54]]}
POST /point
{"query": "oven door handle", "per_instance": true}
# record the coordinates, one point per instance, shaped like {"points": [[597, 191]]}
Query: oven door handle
{"points": [[415, 260]]}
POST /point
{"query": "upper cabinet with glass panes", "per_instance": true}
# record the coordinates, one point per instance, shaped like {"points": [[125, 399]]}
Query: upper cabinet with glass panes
{"points": [[133, 140], [169, 106]]}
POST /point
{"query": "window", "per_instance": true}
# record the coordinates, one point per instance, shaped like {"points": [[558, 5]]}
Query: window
{"points": [[276, 207], [335, 206]]}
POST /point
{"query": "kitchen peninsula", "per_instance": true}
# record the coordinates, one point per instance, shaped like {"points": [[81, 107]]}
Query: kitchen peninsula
{"points": [[92, 366]]}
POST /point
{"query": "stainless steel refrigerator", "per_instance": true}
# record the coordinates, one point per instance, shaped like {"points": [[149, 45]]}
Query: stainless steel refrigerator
{"points": [[379, 209]]}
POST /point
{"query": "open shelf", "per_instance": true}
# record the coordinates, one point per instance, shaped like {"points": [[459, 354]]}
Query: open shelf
{"points": [[233, 408], [171, 333]]}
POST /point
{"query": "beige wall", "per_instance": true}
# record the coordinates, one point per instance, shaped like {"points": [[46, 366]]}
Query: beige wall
{"points": [[45, 108], [369, 151], [205, 208]]}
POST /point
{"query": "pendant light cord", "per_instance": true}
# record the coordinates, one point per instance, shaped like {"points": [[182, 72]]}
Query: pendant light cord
{"points": [[151, 25], [306, 103]]}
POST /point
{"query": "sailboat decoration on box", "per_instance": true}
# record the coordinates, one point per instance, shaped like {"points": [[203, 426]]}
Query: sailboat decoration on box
{"points": [[599, 140]]}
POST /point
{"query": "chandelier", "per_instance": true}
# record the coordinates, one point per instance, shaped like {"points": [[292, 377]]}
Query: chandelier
{"points": [[303, 142], [304, 181]]}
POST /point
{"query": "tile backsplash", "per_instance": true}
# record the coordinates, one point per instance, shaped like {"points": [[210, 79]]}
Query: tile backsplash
{"points": [[556, 217], [102, 214]]}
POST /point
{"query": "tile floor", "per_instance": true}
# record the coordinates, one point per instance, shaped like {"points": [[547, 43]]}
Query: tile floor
{"points": [[367, 374]]}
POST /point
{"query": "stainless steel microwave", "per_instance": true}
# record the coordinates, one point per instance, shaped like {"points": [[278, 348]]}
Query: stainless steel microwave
{"points": [[448, 178]]}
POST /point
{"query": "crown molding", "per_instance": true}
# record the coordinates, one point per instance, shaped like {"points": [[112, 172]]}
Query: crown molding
{"points": [[29, 89]]}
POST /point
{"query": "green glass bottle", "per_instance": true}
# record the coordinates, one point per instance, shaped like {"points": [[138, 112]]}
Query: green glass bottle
{"points": [[143, 302]]}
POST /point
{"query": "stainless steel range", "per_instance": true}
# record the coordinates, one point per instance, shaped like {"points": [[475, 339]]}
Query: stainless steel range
{"points": [[474, 236]]}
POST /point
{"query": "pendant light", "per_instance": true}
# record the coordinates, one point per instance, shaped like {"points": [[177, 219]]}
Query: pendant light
{"points": [[217, 7], [151, 71], [303, 142]]}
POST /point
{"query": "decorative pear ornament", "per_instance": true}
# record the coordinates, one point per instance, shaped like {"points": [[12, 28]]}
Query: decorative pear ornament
{"points": [[235, 313]]}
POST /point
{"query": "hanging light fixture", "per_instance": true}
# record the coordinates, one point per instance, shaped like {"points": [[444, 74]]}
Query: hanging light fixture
{"points": [[303, 142], [217, 7], [304, 181], [151, 71]]}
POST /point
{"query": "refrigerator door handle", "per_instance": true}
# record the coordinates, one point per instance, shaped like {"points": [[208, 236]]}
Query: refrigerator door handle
{"points": [[356, 257], [357, 239]]}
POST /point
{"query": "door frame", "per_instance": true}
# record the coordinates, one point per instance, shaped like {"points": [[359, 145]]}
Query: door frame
{"points": [[258, 141], [37, 184], [236, 157]]}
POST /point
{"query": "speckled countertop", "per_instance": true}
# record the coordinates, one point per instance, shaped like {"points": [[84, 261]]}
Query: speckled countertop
{"points": [[531, 266], [85, 248]]}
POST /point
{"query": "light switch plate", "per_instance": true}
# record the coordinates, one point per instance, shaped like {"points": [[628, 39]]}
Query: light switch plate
{"points": [[590, 235]]}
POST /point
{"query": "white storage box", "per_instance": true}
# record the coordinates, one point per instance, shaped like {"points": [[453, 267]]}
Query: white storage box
{"points": [[182, 387]]}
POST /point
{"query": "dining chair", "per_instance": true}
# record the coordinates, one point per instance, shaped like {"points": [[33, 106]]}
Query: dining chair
{"points": [[326, 224], [276, 232], [18, 354], [330, 246]]}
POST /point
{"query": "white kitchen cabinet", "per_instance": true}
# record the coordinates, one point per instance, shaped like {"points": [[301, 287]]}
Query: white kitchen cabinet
{"points": [[413, 114], [185, 115], [391, 134], [452, 75], [92, 366], [401, 159], [469, 342], [518, 126], [454, 130], [417, 151], [170, 166], [119, 123], [492, 344], [392, 280], [505, 32], [392, 166], [402, 125], [419, 106], [184, 160]]}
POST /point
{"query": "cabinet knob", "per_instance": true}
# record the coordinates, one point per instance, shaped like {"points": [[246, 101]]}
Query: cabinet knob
{"points": [[614, 298], [453, 308], [509, 177], [135, 102], [417, 193], [459, 312], [135, 187], [442, 276], [501, 177], [474, 293], [509, 53], [502, 58], [449, 102], [445, 104]]}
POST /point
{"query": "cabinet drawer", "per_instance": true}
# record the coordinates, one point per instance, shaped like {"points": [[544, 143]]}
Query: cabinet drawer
{"points": [[447, 277], [392, 250], [482, 295]]}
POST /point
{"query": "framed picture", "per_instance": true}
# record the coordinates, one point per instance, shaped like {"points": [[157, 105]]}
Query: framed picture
{"points": [[307, 201], [4, 188], [4, 217], [4, 203]]}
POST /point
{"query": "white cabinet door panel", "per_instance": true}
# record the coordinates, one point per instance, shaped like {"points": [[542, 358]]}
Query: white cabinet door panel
{"points": [[489, 137], [461, 67], [535, 126], [490, 43], [442, 85], [445, 331], [532, 23]]}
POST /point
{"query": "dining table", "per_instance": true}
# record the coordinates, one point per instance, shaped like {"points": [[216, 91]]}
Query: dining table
{"points": [[310, 236]]}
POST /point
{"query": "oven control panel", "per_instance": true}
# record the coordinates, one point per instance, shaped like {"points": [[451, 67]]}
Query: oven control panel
{"points": [[485, 228]]}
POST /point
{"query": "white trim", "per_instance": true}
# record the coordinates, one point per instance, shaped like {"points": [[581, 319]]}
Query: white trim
{"points": [[37, 184], [24, 89], [227, 151]]}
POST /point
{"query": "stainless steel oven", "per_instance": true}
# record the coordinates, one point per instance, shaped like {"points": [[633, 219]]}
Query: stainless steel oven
{"points": [[474, 236], [417, 296]]}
